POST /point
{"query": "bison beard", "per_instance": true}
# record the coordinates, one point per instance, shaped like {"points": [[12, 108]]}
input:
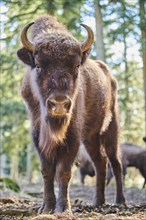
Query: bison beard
{"points": [[53, 131], [70, 99], [56, 123]]}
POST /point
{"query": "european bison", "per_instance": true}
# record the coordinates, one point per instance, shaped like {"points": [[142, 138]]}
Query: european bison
{"points": [[70, 98], [85, 164], [132, 156]]}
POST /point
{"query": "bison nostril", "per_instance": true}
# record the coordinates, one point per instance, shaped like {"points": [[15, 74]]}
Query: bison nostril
{"points": [[58, 105], [51, 105], [67, 105]]}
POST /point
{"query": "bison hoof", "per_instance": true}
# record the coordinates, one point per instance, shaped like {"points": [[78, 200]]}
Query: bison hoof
{"points": [[121, 201], [45, 209], [62, 208], [98, 202]]}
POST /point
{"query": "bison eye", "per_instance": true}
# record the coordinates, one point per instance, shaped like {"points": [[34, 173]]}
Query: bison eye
{"points": [[78, 65], [38, 68]]}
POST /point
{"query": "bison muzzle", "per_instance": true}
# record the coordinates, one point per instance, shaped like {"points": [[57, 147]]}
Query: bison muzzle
{"points": [[70, 99]]}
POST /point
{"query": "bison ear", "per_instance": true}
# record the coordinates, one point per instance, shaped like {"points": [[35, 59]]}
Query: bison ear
{"points": [[26, 57], [85, 55]]}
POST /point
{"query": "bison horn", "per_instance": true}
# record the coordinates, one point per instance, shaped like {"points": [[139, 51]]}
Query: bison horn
{"points": [[26, 43], [87, 44]]}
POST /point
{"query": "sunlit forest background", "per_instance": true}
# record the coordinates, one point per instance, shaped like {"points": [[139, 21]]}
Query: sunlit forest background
{"points": [[120, 39]]}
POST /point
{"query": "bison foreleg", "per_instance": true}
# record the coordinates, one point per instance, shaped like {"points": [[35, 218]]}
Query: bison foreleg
{"points": [[63, 202], [65, 162], [48, 173]]}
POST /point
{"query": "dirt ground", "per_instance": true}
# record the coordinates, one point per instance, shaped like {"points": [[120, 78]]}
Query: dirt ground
{"points": [[22, 206]]}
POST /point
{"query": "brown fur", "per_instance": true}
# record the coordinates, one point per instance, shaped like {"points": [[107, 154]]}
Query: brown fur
{"points": [[92, 116]]}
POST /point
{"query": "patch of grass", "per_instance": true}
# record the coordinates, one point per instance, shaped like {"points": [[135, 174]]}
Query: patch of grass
{"points": [[9, 184]]}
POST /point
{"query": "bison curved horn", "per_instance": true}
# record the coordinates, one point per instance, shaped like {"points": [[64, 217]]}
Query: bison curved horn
{"points": [[87, 44], [26, 43]]}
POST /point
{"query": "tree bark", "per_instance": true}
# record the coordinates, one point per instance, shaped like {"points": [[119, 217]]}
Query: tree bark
{"points": [[29, 162], [127, 115], [100, 53], [14, 166], [142, 8]]}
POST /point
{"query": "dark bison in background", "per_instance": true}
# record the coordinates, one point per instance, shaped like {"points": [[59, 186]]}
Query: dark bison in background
{"points": [[84, 163], [70, 98], [132, 156]]}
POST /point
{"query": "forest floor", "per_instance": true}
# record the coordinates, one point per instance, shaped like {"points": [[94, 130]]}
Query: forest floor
{"points": [[22, 206]]}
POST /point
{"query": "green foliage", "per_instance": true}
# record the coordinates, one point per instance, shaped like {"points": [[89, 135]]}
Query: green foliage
{"points": [[23, 160], [122, 34], [9, 184], [131, 103]]}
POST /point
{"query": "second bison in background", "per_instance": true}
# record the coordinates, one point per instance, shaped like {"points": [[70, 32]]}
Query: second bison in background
{"points": [[132, 156]]}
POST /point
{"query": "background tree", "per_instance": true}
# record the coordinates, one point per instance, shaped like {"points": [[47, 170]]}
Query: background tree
{"points": [[100, 51], [122, 34], [142, 12]]}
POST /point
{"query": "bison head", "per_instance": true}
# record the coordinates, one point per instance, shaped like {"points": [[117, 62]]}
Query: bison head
{"points": [[55, 58]]}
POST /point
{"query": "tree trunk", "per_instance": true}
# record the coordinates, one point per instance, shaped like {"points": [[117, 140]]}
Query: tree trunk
{"points": [[127, 115], [29, 162], [142, 9], [14, 165], [100, 54]]}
